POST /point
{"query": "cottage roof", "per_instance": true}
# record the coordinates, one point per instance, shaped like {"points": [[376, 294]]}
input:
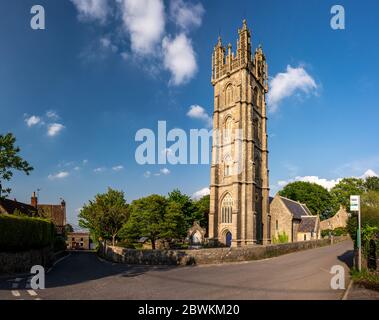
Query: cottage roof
{"points": [[308, 224], [10, 206], [297, 209]]}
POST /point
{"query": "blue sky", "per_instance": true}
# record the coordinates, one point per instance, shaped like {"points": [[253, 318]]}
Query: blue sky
{"points": [[75, 93]]}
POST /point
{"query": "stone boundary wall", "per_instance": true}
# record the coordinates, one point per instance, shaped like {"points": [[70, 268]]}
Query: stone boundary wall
{"points": [[20, 262], [209, 256]]}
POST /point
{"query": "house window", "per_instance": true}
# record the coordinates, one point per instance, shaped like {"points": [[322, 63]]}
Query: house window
{"points": [[73, 239], [305, 237], [226, 209], [81, 239], [277, 225]]}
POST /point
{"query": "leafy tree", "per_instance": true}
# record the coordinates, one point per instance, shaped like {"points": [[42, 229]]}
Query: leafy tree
{"points": [[317, 198], [369, 214], [106, 215], [10, 160], [185, 204], [372, 184], [146, 219], [201, 213], [347, 187], [68, 228], [174, 224]]}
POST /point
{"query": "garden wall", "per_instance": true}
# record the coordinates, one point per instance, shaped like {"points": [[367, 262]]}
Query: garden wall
{"points": [[208, 256]]}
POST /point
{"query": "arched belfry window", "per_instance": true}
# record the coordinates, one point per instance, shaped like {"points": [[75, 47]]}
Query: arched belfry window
{"points": [[229, 95], [226, 209]]}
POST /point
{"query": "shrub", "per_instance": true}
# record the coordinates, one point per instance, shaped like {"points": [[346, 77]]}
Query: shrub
{"points": [[60, 244], [336, 232], [22, 233], [282, 238]]}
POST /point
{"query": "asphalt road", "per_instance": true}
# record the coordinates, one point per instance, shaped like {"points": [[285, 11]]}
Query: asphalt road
{"points": [[300, 275]]}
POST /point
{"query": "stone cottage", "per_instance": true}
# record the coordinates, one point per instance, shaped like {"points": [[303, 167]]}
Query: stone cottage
{"points": [[293, 219]]}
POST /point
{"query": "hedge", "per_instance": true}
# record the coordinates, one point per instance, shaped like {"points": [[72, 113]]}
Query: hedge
{"points": [[19, 233]]}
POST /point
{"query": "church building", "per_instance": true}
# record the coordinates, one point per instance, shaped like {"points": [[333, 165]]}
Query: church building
{"points": [[239, 190]]}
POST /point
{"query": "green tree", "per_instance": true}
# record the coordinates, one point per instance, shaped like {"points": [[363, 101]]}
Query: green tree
{"points": [[68, 228], [10, 160], [147, 219], [174, 223], [347, 187], [185, 204], [106, 215], [369, 214], [201, 213], [317, 198], [372, 184]]}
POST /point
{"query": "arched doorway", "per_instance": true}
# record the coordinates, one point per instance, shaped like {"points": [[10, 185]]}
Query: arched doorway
{"points": [[228, 239]]}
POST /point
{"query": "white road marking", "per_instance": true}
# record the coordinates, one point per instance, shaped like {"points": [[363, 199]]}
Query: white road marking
{"points": [[32, 293], [16, 293]]}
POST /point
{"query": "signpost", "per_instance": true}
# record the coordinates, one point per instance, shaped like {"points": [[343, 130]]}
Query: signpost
{"points": [[355, 206]]}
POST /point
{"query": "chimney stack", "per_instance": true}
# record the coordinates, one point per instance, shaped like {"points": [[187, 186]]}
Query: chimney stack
{"points": [[34, 200]]}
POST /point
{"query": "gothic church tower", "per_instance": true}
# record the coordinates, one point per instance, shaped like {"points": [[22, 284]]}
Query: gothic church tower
{"points": [[239, 209]]}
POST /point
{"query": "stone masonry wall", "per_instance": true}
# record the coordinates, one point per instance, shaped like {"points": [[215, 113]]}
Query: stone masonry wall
{"points": [[208, 256]]}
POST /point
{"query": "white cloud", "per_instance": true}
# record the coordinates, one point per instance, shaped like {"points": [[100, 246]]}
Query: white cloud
{"points": [[369, 173], [326, 183], [54, 129], [286, 84], [99, 170], [92, 9], [107, 44], [117, 168], [145, 22], [201, 193], [52, 115], [147, 174], [77, 168], [198, 112], [32, 121], [59, 175], [85, 161], [165, 171], [179, 58], [186, 15], [125, 55]]}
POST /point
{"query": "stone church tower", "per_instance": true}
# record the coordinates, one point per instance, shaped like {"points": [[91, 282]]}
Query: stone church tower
{"points": [[239, 209]]}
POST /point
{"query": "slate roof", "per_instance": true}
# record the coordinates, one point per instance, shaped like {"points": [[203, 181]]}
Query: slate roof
{"points": [[308, 224], [297, 209], [10, 206]]}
